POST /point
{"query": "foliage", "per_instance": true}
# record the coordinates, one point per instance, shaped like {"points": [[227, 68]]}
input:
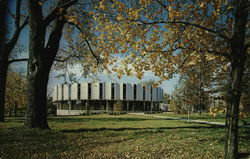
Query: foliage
{"points": [[162, 36], [177, 102], [16, 94], [51, 106], [166, 98]]}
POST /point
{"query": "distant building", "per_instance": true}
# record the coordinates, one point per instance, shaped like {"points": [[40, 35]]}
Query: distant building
{"points": [[76, 98]]}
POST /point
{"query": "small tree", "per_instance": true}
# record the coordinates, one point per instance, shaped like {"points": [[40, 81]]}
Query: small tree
{"points": [[7, 45], [118, 106], [16, 94]]}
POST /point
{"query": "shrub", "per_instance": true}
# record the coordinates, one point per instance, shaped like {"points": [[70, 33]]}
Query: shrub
{"points": [[118, 106], [117, 113]]}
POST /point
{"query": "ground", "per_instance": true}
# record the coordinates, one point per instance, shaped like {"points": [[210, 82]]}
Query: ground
{"points": [[113, 136]]}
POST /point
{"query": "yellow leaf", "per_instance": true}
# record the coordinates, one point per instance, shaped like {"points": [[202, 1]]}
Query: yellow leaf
{"points": [[40, 3], [202, 5]]}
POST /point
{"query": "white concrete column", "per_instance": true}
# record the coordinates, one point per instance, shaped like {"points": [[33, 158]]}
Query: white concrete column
{"points": [[60, 105], [70, 104]]}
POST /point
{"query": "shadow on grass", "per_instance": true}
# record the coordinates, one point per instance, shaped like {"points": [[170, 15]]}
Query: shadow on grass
{"points": [[63, 119], [14, 119], [204, 117], [244, 155], [20, 142], [127, 129]]}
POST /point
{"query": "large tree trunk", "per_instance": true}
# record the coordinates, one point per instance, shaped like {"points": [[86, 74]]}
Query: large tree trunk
{"points": [[3, 68], [36, 115], [7, 47], [238, 58], [41, 58], [231, 146], [37, 97], [3, 75]]}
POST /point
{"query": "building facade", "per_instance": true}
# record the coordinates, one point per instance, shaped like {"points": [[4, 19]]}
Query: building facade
{"points": [[77, 98]]}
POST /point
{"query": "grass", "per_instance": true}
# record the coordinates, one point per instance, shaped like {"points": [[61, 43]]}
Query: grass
{"points": [[204, 116], [107, 136]]}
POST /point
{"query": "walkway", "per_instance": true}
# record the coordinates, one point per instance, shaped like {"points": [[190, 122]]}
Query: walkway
{"points": [[191, 121]]}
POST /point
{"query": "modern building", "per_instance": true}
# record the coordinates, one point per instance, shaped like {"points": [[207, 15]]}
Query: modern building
{"points": [[77, 98]]}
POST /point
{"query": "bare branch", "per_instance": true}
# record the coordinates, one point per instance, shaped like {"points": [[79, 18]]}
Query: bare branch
{"points": [[15, 36], [66, 58], [26, 21], [17, 60], [11, 14]]}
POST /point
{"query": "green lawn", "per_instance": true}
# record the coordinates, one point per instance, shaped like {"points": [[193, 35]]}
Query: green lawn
{"points": [[107, 136]]}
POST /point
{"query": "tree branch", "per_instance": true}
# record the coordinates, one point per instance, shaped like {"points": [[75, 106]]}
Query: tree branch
{"points": [[91, 50], [17, 19], [162, 5], [54, 14], [189, 24], [66, 58], [10, 45], [218, 53], [17, 60], [179, 67], [164, 51], [11, 14], [52, 45]]}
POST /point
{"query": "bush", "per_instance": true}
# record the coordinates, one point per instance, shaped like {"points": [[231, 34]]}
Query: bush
{"points": [[118, 106], [153, 112], [117, 113]]}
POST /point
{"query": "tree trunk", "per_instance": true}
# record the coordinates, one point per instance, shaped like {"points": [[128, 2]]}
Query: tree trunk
{"points": [[3, 68], [36, 115], [15, 109], [10, 112], [238, 59], [3, 76], [231, 146], [37, 98], [7, 47], [41, 58]]}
